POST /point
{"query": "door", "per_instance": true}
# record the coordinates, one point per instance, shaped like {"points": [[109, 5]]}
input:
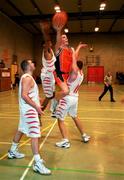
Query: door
{"points": [[95, 74]]}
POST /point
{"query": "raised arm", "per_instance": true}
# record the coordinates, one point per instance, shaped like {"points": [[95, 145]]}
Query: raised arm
{"points": [[74, 62], [80, 45], [76, 55], [48, 54], [45, 28], [58, 38]]}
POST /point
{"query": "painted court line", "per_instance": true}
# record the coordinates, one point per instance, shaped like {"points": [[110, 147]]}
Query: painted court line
{"points": [[99, 119], [25, 142], [119, 122], [90, 110], [41, 145], [9, 143], [83, 171]]}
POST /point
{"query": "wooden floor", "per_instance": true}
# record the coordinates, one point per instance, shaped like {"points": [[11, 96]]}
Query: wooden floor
{"points": [[102, 158]]}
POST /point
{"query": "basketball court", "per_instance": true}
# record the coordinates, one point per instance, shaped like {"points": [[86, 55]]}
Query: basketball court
{"points": [[39, 48], [101, 158]]}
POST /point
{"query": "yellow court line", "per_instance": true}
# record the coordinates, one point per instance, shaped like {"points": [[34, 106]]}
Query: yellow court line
{"points": [[25, 142], [113, 122], [82, 109], [79, 109], [120, 135], [98, 132], [9, 143], [6, 143], [98, 118]]}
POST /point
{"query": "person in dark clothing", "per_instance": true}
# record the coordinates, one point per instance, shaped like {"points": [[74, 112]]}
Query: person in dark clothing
{"points": [[17, 79], [107, 87]]}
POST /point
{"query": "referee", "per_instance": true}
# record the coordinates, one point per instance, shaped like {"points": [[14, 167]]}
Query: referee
{"points": [[107, 86]]}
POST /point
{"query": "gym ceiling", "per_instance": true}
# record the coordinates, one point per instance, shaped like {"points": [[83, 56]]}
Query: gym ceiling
{"points": [[84, 15]]}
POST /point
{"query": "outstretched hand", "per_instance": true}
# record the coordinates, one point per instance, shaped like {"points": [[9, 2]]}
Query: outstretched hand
{"points": [[45, 26], [39, 109], [82, 45]]}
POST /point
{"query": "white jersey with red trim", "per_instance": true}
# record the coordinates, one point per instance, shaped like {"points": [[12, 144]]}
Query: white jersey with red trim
{"points": [[29, 121], [69, 103], [74, 85], [33, 94], [48, 65]]}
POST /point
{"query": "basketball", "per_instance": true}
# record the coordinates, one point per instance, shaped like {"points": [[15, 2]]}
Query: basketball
{"points": [[59, 20]]}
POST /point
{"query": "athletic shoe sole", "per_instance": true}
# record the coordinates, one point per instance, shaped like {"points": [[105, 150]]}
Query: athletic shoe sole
{"points": [[64, 147], [37, 171], [14, 157]]}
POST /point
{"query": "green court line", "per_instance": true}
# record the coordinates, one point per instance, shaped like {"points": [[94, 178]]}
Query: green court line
{"points": [[83, 171]]}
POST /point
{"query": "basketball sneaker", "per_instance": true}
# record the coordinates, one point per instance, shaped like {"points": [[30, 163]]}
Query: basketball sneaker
{"points": [[112, 100], [53, 115], [85, 138], [63, 144], [15, 154], [40, 168]]}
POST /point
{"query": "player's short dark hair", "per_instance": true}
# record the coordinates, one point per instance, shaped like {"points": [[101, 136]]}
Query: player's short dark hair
{"points": [[24, 64], [63, 34], [80, 64]]}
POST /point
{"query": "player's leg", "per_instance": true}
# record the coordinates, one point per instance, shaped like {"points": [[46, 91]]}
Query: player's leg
{"points": [[17, 136], [34, 133], [39, 162], [64, 143], [46, 102], [48, 84], [78, 125], [64, 89], [53, 107], [62, 129], [73, 113], [84, 136], [111, 94], [61, 113], [13, 152], [35, 145], [104, 92]]}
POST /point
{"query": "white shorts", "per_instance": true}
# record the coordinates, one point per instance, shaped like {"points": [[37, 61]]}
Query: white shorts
{"points": [[48, 84], [67, 105], [29, 123]]}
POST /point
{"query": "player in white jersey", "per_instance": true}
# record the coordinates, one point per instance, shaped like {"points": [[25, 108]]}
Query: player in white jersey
{"points": [[29, 124], [48, 61], [47, 73], [69, 104]]}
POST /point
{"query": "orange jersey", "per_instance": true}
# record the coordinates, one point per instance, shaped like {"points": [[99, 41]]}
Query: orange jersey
{"points": [[63, 63]]}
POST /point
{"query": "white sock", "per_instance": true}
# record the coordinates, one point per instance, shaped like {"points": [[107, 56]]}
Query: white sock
{"points": [[37, 157], [66, 140], [84, 134], [14, 146], [53, 106]]}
